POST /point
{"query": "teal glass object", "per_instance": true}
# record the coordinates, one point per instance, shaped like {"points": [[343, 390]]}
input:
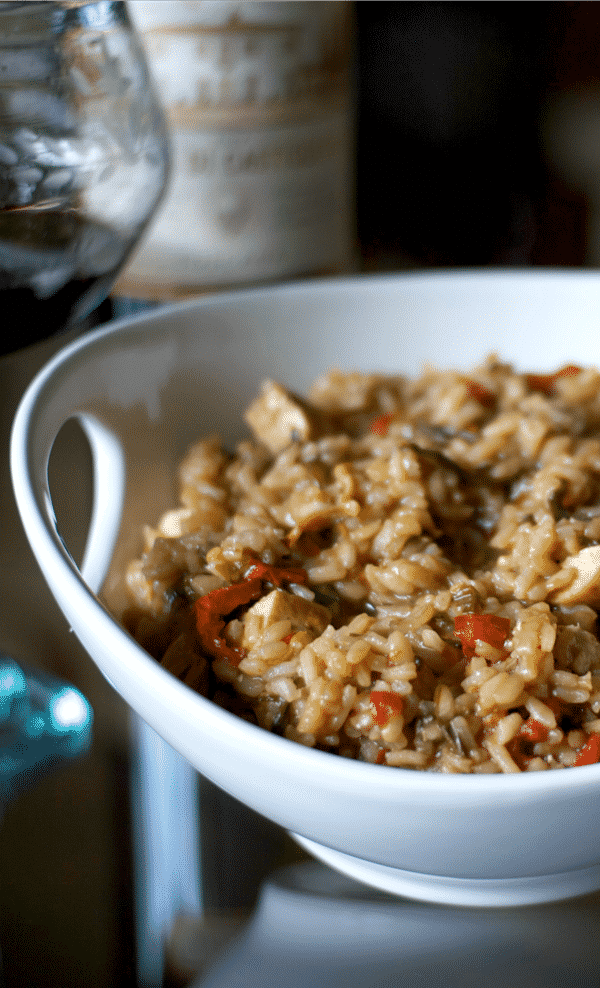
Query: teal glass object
{"points": [[43, 723]]}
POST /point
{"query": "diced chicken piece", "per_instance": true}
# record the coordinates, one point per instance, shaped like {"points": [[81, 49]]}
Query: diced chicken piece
{"points": [[203, 463], [585, 587], [346, 391], [277, 418], [279, 605], [176, 522]]}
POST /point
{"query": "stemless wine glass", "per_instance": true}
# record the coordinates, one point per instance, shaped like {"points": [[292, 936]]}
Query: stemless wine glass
{"points": [[83, 159]]}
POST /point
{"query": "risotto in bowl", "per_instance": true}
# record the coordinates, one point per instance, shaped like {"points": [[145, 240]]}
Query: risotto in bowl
{"points": [[348, 537]]}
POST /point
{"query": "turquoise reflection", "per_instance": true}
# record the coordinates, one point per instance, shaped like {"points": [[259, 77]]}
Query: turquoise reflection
{"points": [[43, 722], [69, 711]]}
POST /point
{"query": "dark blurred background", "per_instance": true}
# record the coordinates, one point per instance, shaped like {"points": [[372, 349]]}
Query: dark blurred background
{"points": [[462, 110], [478, 144]]}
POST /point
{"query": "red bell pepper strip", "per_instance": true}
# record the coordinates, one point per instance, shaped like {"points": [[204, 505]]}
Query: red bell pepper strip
{"points": [[217, 646], [545, 382], [589, 753], [387, 705], [380, 425], [276, 574], [212, 610], [532, 730], [225, 600], [481, 394], [489, 628]]}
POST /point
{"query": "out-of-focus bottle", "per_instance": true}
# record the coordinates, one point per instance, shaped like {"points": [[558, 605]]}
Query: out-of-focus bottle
{"points": [[260, 103], [83, 160]]}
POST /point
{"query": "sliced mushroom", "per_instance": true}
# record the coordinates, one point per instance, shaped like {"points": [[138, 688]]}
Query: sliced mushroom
{"points": [[576, 649], [436, 459]]}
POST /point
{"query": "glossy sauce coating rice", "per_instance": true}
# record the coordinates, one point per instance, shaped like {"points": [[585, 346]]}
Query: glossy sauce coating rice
{"points": [[401, 571]]}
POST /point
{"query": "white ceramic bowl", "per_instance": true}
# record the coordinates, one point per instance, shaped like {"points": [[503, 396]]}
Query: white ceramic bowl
{"points": [[144, 388]]}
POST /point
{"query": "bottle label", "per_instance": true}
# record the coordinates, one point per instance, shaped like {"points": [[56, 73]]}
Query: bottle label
{"points": [[258, 98]]}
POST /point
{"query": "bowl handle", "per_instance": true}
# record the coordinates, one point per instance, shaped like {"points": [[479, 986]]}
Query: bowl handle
{"points": [[33, 435], [108, 496]]}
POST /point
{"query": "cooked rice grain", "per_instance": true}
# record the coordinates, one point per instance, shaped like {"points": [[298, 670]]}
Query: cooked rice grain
{"points": [[400, 506]]}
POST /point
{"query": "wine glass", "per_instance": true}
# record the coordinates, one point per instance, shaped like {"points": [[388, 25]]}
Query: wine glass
{"points": [[83, 159], [83, 166]]}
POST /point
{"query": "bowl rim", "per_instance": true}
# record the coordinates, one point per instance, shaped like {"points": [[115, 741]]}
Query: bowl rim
{"points": [[335, 771]]}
